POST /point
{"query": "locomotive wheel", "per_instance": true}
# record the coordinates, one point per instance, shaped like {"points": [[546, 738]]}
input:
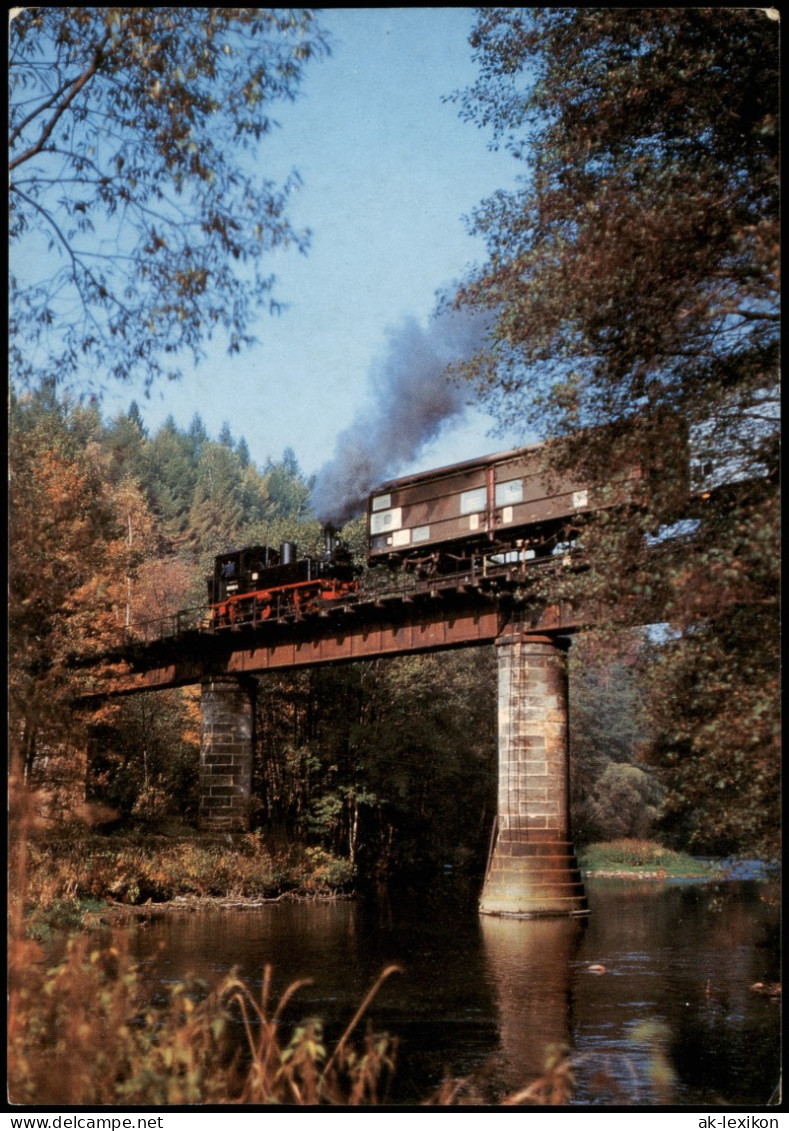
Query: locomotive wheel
{"points": [[240, 614]]}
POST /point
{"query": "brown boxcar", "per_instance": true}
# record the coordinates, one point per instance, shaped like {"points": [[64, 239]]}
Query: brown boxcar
{"points": [[498, 500]]}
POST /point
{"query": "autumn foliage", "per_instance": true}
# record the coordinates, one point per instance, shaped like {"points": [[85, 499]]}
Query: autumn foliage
{"points": [[633, 279]]}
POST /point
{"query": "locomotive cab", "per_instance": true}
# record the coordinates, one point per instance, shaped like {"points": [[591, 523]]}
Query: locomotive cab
{"points": [[238, 571], [258, 583]]}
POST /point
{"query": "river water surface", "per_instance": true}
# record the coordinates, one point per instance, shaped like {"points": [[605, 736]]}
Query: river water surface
{"points": [[672, 1019]]}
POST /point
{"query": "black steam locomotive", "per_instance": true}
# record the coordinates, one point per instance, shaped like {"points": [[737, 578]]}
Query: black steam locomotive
{"points": [[259, 583]]}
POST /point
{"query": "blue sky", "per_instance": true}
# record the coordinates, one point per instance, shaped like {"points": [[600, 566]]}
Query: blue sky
{"points": [[389, 171]]}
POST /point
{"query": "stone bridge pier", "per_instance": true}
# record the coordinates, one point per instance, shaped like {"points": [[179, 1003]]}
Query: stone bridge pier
{"points": [[227, 717], [532, 870]]}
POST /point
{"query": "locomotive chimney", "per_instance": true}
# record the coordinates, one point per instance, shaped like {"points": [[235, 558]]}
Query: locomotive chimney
{"points": [[287, 553], [329, 534]]}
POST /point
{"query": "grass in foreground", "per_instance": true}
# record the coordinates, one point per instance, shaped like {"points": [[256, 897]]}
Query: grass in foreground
{"points": [[85, 1033]]}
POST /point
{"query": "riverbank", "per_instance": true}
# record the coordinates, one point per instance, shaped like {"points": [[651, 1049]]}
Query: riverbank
{"points": [[633, 859], [84, 879]]}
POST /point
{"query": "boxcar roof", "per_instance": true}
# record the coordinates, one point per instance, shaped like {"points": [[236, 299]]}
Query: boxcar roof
{"points": [[466, 465]]}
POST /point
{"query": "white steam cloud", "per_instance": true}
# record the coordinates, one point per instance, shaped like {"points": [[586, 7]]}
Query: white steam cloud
{"points": [[412, 401]]}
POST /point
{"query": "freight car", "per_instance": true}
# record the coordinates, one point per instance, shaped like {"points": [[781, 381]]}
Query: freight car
{"points": [[438, 521], [259, 583]]}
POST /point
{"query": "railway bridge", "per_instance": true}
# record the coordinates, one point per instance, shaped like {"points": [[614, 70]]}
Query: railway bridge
{"points": [[532, 869], [524, 517]]}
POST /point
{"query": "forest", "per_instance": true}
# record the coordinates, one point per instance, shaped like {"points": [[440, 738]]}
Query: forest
{"points": [[387, 767]]}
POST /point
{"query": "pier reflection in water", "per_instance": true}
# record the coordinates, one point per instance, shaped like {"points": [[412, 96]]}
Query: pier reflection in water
{"points": [[530, 962], [481, 994]]}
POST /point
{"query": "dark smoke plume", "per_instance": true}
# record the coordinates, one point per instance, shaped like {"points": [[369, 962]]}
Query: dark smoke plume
{"points": [[412, 401]]}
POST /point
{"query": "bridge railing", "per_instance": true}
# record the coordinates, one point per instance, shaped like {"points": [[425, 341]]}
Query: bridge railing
{"points": [[378, 585], [169, 627]]}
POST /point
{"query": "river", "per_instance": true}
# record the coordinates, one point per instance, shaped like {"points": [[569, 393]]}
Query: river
{"points": [[670, 1018]]}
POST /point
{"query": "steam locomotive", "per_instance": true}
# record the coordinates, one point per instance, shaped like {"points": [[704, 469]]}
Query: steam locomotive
{"points": [[258, 583]]}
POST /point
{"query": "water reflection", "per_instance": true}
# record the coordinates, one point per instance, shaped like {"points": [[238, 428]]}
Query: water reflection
{"points": [[317, 941], [485, 994], [530, 963], [682, 958]]}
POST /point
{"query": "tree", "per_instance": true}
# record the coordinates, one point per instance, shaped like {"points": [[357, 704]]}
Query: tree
{"points": [[253, 489], [217, 511], [67, 564], [242, 451], [633, 276], [289, 492], [428, 756], [144, 755], [140, 222], [124, 442], [197, 436], [624, 802], [613, 792], [170, 476], [389, 762], [132, 511]]}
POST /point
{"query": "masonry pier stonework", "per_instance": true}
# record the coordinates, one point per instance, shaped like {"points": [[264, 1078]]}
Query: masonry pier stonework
{"points": [[532, 870], [227, 717]]}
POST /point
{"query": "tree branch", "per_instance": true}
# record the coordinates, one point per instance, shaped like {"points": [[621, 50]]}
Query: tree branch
{"points": [[76, 87], [76, 263], [38, 110]]}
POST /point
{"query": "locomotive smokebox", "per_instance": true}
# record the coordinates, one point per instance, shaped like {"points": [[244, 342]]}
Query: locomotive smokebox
{"points": [[288, 553]]}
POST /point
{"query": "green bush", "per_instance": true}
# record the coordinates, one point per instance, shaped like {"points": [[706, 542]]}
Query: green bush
{"points": [[327, 872], [630, 854]]}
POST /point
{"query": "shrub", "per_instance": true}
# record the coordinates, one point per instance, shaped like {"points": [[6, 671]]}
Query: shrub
{"points": [[69, 872], [630, 853]]}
